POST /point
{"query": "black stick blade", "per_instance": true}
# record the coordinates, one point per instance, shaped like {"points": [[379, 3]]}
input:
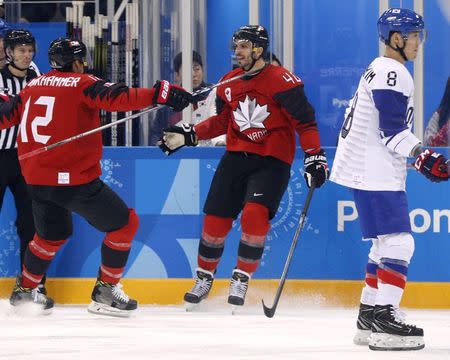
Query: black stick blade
{"points": [[269, 312]]}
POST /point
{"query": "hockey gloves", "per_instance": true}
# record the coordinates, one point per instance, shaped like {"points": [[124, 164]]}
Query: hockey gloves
{"points": [[433, 165], [316, 167], [171, 95], [175, 137]]}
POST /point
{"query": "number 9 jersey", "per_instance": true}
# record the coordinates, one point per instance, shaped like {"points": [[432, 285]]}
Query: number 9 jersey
{"points": [[376, 138]]}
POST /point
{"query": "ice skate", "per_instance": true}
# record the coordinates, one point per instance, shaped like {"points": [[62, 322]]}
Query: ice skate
{"points": [[109, 299], [29, 300], [42, 289], [364, 325], [203, 283], [389, 331], [238, 289]]}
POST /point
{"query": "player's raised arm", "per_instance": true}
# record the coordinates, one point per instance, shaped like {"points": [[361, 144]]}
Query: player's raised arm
{"points": [[101, 94]]}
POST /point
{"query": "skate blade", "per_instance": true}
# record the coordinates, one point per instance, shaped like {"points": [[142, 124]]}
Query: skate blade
{"points": [[106, 310], [235, 309], [389, 342], [191, 307], [362, 337], [29, 310]]}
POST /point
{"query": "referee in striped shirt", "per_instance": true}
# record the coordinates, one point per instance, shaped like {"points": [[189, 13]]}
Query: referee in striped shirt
{"points": [[19, 47]]}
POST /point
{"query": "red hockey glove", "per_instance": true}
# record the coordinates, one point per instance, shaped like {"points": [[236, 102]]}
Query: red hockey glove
{"points": [[316, 167], [175, 137], [171, 95], [433, 165]]}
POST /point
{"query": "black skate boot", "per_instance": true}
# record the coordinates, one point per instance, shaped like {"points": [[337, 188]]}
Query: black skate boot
{"points": [[22, 296], [389, 331], [110, 299], [203, 283], [41, 288], [238, 287], [364, 325]]}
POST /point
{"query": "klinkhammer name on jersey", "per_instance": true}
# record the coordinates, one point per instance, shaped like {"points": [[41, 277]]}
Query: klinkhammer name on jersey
{"points": [[369, 74], [70, 81]]}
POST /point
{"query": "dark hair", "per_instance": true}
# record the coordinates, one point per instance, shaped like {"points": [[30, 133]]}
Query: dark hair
{"points": [[195, 58], [256, 34], [270, 56], [15, 37]]}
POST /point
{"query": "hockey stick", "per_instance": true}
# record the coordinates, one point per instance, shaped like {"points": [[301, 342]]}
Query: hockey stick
{"points": [[210, 87], [270, 311], [106, 126]]}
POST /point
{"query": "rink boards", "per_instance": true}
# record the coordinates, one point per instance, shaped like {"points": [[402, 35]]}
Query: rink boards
{"points": [[168, 194]]}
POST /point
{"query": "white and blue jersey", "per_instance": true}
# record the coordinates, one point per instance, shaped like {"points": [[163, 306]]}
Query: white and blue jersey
{"points": [[374, 144], [376, 138]]}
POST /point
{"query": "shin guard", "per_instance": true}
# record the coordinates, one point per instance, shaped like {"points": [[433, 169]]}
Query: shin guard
{"points": [[38, 256], [116, 248], [255, 226], [392, 274], [210, 249]]}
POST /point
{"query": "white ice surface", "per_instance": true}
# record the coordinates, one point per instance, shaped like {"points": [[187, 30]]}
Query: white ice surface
{"points": [[211, 332]]}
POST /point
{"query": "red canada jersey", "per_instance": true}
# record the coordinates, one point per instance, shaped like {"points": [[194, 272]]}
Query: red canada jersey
{"points": [[59, 105], [260, 114]]}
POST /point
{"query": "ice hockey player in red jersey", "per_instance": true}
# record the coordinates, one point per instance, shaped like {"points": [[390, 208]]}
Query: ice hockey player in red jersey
{"points": [[260, 114], [60, 104]]}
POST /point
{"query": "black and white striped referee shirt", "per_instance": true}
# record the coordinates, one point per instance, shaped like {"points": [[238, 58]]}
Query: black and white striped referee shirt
{"points": [[11, 84]]}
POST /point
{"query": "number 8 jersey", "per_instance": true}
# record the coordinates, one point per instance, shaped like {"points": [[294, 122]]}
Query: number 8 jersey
{"points": [[376, 138]]}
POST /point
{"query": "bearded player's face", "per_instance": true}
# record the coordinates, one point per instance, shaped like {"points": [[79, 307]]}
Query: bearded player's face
{"points": [[243, 51]]}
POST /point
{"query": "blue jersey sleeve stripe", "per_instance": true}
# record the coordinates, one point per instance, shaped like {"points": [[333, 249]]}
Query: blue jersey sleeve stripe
{"points": [[391, 106]]}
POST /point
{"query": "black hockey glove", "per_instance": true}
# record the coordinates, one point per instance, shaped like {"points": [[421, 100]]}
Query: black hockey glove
{"points": [[171, 95], [433, 165], [316, 167], [175, 137]]}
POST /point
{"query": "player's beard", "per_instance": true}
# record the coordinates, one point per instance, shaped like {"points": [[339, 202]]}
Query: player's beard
{"points": [[249, 63]]}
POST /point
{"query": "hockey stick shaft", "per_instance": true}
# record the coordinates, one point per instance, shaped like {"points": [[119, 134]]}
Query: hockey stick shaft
{"points": [[106, 126], [270, 312], [237, 77]]}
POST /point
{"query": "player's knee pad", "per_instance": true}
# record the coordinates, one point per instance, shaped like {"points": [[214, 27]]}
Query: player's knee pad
{"points": [[216, 228], [255, 223], [121, 239], [397, 246]]}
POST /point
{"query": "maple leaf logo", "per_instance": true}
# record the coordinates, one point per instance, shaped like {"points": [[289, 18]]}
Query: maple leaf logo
{"points": [[249, 114]]}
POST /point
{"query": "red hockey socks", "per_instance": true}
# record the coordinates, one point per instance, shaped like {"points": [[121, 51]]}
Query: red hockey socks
{"points": [[38, 256], [116, 249], [255, 226], [210, 249]]}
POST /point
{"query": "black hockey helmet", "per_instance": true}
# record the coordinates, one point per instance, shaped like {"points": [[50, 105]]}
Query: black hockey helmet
{"points": [[256, 34], [17, 37], [64, 51]]}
